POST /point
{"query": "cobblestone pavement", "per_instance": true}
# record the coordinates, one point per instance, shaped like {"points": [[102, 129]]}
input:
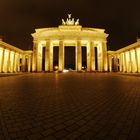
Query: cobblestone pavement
{"points": [[70, 106]]}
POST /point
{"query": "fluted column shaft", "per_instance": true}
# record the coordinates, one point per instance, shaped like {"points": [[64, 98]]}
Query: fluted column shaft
{"points": [[78, 56], [110, 63], [29, 63], [35, 56], [92, 49], [136, 60], [130, 62], [18, 63], [124, 62], [47, 56], [9, 62], [121, 63], [5, 60], [104, 56], [1, 59], [15, 63], [61, 55], [23, 63], [88, 57], [100, 57]]}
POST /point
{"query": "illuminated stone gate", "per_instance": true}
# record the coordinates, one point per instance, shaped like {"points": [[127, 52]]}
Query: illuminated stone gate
{"points": [[70, 33]]}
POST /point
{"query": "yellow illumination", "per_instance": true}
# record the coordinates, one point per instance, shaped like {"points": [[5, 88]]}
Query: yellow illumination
{"points": [[55, 42], [133, 61], [43, 43], [138, 58], [128, 63], [56, 67], [84, 41], [65, 70], [11, 65], [1, 57], [69, 43], [5, 63]]}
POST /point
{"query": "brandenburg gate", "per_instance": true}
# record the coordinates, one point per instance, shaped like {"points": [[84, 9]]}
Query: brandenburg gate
{"points": [[70, 33]]}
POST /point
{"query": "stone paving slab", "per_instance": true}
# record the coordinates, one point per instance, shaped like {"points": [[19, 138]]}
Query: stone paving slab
{"points": [[70, 106]]}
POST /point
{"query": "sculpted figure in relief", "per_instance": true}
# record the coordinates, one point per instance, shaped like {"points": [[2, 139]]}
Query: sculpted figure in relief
{"points": [[63, 22], [70, 21], [77, 22]]}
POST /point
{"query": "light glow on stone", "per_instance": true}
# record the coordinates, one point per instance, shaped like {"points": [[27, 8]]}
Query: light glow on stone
{"points": [[65, 70], [1, 56]]}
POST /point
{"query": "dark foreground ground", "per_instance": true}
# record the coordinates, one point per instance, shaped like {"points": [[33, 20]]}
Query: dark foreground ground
{"points": [[70, 106]]}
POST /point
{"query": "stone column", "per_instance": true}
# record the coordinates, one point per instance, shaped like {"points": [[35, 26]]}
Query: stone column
{"points": [[5, 60], [61, 55], [47, 56], [39, 58], [18, 62], [9, 62], [78, 56], [92, 49], [130, 62], [118, 62], [13, 69], [1, 58], [136, 60], [88, 57], [124, 62], [110, 63], [127, 62], [104, 56], [15, 62], [121, 63], [35, 56], [51, 57], [115, 63], [29, 63], [99, 56], [12, 57], [23, 63]]}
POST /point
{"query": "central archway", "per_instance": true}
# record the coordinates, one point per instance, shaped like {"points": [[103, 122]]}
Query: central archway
{"points": [[84, 57], [70, 57]]}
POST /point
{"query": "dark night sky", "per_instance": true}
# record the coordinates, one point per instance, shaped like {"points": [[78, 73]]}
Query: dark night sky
{"points": [[120, 18]]}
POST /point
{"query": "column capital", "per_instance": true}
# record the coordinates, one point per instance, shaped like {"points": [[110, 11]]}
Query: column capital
{"points": [[48, 42], [61, 40], [104, 41], [78, 42], [92, 43], [35, 41], [1, 48]]}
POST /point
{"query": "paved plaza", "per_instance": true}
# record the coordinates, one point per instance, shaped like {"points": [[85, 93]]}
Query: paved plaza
{"points": [[70, 106]]}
